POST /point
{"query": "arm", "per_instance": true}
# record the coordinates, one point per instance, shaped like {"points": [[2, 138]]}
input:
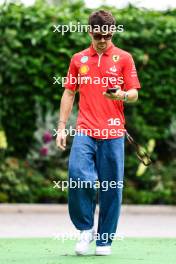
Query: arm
{"points": [[66, 105], [132, 96]]}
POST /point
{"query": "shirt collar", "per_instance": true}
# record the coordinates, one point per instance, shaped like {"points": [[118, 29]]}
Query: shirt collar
{"points": [[92, 51]]}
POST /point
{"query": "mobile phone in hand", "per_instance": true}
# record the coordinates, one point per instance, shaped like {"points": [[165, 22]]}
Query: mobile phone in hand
{"points": [[112, 90]]}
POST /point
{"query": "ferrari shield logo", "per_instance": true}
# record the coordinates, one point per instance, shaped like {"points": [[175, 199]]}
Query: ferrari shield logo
{"points": [[115, 58]]}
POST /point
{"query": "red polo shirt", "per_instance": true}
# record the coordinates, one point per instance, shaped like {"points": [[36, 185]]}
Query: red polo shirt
{"points": [[91, 74]]}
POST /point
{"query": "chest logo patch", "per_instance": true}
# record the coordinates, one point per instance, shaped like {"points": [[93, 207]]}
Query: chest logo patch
{"points": [[115, 58], [84, 59], [83, 69], [113, 69]]}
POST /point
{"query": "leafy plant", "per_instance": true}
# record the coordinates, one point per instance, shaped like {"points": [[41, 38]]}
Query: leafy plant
{"points": [[31, 54]]}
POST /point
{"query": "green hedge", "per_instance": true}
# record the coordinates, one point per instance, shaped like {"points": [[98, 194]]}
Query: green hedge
{"points": [[31, 54]]}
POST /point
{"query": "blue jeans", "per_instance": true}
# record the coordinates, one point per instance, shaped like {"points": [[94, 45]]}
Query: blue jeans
{"points": [[91, 159]]}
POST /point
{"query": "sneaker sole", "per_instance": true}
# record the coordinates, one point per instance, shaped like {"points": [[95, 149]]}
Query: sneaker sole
{"points": [[79, 253], [102, 253]]}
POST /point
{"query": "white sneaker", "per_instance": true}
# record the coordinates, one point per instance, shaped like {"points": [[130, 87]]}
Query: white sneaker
{"points": [[103, 250], [86, 237]]}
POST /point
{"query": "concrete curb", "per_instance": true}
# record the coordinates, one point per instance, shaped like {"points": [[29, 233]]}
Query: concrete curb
{"points": [[63, 208], [33, 208]]}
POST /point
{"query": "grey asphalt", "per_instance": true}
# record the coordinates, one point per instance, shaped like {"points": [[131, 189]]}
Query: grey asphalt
{"points": [[24, 220]]}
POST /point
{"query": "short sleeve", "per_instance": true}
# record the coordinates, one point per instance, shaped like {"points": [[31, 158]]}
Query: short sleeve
{"points": [[71, 82], [130, 77]]}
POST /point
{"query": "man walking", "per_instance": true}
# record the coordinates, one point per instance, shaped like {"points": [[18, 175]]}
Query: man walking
{"points": [[106, 77]]}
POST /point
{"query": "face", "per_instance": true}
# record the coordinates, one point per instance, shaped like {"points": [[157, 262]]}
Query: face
{"points": [[101, 41]]}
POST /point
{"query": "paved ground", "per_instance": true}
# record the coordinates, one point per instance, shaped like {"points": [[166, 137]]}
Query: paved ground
{"points": [[53, 221]]}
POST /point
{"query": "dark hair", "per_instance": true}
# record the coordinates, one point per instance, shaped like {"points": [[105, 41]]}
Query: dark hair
{"points": [[101, 18]]}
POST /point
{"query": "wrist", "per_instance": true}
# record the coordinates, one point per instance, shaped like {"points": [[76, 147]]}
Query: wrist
{"points": [[61, 124], [125, 97]]}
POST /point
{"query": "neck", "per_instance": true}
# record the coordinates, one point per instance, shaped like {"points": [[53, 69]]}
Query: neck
{"points": [[100, 51]]}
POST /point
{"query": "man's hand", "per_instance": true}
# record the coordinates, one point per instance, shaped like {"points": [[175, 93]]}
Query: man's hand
{"points": [[118, 95], [61, 138]]}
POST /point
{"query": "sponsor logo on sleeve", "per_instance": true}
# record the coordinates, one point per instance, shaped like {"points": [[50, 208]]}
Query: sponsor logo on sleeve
{"points": [[84, 59]]}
